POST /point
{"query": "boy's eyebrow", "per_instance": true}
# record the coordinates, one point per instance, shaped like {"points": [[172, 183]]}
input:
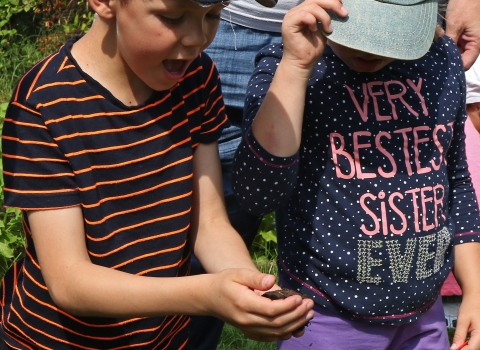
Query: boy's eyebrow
{"points": [[223, 3]]}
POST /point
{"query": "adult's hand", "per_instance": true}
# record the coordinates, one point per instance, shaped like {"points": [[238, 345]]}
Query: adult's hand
{"points": [[463, 26]]}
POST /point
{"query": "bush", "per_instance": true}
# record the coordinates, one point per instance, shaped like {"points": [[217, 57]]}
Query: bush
{"points": [[32, 29], [32, 17], [12, 243]]}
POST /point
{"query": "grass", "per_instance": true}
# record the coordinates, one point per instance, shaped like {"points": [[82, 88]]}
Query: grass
{"points": [[264, 254], [233, 339]]}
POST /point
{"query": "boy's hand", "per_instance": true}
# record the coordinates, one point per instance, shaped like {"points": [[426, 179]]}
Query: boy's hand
{"points": [[234, 300], [303, 42]]}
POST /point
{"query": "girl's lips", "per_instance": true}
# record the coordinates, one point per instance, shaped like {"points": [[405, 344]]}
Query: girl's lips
{"points": [[364, 65]]}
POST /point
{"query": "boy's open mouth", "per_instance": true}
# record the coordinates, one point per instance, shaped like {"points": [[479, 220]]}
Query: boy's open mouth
{"points": [[175, 66]]}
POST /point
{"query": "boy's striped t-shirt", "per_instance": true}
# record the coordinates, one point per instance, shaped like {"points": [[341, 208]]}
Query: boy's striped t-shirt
{"points": [[68, 142]]}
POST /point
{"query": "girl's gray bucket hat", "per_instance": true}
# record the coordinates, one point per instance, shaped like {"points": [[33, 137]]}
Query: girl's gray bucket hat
{"points": [[401, 29]]}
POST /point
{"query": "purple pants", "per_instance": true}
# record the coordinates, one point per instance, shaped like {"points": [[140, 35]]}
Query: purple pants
{"points": [[328, 331]]}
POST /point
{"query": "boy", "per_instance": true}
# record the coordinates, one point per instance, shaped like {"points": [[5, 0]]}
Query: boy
{"points": [[110, 150], [359, 144]]}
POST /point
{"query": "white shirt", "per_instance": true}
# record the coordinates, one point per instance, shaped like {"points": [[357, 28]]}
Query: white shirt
{"points": [[249, 13], [473, 83]]}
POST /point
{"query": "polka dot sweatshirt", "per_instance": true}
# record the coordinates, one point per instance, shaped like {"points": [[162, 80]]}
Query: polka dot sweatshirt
{"points": [[369, 208]]}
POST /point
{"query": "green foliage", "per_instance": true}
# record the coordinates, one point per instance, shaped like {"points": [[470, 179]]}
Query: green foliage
{"points": [[3, 110], [234, 339], [264, 255], [32, 29], [12, 243], [25, 18], [80, 23], [12, 68], [10, 10], [264, 247]]}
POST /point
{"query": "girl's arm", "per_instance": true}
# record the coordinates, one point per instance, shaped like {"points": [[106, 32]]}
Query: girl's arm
{"points": [[278, 124], [467, 273]]}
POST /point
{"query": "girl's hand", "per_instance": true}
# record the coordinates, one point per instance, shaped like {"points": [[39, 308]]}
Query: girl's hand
{"points": [[303, 42], [233, 299], [468, 323]]}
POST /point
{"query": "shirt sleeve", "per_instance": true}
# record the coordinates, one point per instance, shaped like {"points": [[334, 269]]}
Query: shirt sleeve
{"points": [[261, 181], [36, 173], [214, 116], [462, 199]]}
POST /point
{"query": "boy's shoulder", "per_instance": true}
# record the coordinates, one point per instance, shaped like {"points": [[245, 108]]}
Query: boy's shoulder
{"points": [[204, 64], [50, 74], [58, 75]]}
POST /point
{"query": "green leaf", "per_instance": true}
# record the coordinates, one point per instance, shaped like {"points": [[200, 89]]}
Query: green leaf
{"points": [[6, 251], [269, 236]]}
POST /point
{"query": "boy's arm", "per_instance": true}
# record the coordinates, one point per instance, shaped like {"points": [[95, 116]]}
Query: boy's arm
{"points": [[82, 288], [219, 248], [210, 228], [467, 273]]}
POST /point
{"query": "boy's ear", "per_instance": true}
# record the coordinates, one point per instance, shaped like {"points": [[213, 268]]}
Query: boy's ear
{"points": [[103, 8]]}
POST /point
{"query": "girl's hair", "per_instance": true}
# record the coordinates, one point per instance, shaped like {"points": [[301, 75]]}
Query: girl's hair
{"points": [[442, 9], [438, 32]]}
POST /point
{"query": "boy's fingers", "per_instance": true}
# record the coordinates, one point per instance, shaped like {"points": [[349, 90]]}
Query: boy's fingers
{"points": [[280, 327], [254, 279]]}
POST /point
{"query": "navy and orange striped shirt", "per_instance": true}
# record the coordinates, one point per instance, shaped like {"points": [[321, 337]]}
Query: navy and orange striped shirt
{"points": [[66, 142]]}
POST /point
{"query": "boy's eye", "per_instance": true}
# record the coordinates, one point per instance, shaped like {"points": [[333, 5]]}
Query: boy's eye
{"points": [[214, 16], [171, 20]]}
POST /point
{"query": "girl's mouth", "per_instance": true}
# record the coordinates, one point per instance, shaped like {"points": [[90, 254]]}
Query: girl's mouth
{"points": [[367, 65]]}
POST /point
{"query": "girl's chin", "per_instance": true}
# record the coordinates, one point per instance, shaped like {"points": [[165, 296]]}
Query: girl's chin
{"points": [[367, 66]]}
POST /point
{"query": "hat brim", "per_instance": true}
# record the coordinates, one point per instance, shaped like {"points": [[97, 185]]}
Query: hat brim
{"points": [[386, 29]]}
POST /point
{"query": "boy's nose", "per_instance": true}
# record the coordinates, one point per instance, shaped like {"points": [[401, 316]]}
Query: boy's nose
{"points": [[196, 36]]}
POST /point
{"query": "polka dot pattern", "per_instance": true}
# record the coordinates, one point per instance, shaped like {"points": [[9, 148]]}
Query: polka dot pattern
{"points": [[370, 207]]}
